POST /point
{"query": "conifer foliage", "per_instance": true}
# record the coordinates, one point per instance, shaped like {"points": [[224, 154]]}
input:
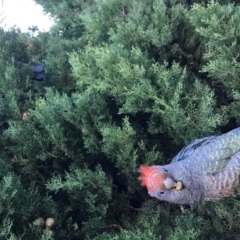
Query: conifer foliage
{"points": [[127, 83]]}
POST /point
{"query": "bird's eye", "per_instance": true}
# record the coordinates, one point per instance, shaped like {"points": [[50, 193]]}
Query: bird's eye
{"points": [[165, 170], [161, 192]]}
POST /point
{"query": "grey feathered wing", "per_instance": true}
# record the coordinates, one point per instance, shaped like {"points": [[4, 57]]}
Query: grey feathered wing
{"points": [[209, 155]]}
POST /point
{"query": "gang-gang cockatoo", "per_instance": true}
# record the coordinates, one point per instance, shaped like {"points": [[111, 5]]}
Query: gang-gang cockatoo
{"points": [[207, 169]]}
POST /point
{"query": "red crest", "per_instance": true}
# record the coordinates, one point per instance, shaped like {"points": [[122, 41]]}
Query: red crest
{"points": [[152, 178]]}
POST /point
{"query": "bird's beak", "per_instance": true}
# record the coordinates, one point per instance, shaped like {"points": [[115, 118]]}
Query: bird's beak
{"points": [[170, 183]]}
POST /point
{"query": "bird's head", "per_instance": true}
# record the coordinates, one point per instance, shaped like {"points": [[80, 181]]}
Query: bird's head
{"points": [[161, 185], [156, 178]]}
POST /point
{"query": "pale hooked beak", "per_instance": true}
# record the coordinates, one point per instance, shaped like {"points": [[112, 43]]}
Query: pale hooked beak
{"points": [[170, 184]]}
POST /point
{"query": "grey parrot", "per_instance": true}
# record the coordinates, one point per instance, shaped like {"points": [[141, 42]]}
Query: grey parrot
{"points": [[207, 169]]}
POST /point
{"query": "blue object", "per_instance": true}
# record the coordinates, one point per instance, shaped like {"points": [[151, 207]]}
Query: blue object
{"points": [[38, 71]]}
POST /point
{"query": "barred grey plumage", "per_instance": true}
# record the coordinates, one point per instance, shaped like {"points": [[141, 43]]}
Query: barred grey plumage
{"points": [[208, 169]]}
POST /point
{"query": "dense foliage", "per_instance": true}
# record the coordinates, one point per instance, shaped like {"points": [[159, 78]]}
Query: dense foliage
{"points": [[127, 83]]}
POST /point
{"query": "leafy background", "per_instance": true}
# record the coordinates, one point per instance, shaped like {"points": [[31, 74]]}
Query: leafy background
{"points": [[127, 83]]}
